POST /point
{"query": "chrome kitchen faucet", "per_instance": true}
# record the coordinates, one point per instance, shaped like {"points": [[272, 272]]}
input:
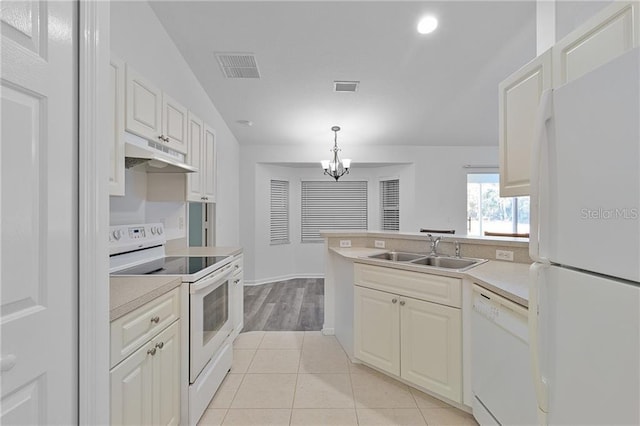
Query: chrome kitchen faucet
{"points": [[434, 244]]}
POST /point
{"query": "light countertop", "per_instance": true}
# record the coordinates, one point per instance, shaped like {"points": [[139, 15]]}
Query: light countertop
{"points": [[129, 293], [508, 279]]}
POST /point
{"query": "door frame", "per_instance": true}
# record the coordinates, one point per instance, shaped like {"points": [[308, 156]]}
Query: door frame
{"points": [[93, 212]]}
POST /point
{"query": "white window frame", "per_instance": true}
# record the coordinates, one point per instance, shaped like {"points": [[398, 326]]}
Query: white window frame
{"points": [[388, 206], [279, 205], [325, 219]]}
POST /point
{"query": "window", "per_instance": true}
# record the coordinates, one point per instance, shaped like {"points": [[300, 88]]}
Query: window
{"points": [[279, 212], [487, 212], [332, 205], [390, 205]]}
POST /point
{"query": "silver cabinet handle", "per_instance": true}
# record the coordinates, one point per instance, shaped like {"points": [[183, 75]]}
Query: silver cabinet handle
{"points": [[237, 266], [155, 319], [161, 138], [151, 351], [160, 345], [236, 281], [7, 362], [394, 300], [402, 302]]}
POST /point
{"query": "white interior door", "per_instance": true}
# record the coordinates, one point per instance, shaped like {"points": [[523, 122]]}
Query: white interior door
{"points": [[38, 213]]}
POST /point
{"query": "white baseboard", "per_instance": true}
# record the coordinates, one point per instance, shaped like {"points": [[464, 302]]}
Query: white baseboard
{"points": [[328, 331], [281, 278]]}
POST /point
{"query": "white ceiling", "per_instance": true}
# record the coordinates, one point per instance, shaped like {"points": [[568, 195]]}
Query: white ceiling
{"points": [[437, 89]]}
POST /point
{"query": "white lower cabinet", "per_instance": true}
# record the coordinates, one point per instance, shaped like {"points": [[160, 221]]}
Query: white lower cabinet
{"points": [[430, 346], [377, 329], [417, 340], [145, 386]]}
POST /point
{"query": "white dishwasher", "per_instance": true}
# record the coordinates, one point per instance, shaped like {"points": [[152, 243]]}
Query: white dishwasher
{"points": [[501, 379]]}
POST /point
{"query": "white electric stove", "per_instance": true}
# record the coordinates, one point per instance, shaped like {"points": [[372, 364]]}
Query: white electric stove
{"points": [[139, 250]]}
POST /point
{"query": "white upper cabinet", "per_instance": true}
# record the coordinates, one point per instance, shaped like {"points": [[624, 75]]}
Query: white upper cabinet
{"points": [[201, 186], [144, 107], [194, 181], [519, 97], [116, 127], [607, 35], [174, 124], [209, 164], [154, 115]]}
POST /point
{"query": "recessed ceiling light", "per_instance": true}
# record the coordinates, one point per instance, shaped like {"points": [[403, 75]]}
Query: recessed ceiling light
{"points": [[427, 25]]}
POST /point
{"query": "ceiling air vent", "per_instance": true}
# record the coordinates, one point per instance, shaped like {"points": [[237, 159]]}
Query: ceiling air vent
{"points": [[238, 65], [345, 86]]}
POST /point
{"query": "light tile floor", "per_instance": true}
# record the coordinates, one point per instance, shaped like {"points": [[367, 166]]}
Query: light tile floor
{"points": [[305, 378]]}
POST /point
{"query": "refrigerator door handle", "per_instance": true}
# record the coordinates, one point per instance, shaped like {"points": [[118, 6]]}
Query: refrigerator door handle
{"points": [[539, 169], [536, 275]]}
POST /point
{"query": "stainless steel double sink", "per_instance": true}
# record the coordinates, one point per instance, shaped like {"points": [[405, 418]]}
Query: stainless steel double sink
{"points": [[442, 262]]}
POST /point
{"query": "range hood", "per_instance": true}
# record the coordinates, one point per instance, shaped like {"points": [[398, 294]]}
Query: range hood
{"points": [[155, 157]]}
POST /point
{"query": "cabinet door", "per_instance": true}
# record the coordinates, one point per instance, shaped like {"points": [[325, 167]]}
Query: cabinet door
{"points": [[518, 104], [194, 180], [116, 127], [209, 165], [131, 389], [174, 124], [166, 376], [607, 35], [377, 329], [143, 107], [431, 347]]}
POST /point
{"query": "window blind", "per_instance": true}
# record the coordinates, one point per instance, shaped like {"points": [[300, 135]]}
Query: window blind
{"points": [[332, 205], [279, 212], [390, 205]]}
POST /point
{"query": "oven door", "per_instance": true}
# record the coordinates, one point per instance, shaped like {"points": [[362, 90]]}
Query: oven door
{"points": [[210, 319]]}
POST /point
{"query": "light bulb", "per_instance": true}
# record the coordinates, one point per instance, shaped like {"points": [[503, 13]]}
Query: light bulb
{"points": [[427, 25]]}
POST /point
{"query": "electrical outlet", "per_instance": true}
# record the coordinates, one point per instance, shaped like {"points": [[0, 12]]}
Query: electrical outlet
{"points": [[181, 223], [378, 244], [504, 255], [345, 243]]}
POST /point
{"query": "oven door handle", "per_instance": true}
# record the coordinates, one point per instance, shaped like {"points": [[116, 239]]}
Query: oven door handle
{"points": [[219, 276]]}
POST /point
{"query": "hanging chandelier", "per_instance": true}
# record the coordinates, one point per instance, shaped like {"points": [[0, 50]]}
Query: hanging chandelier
{"points": [[336, 167]]}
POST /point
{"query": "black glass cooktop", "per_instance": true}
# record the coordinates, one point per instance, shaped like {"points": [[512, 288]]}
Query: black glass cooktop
{"points": [[173, 265]]}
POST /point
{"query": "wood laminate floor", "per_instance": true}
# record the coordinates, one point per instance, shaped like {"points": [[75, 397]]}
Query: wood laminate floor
{"points": [[292, 305]]}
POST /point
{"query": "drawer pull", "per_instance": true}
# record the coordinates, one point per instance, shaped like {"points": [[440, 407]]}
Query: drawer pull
{"points": [[236, 281], [160, 345], [394, 300], [402, 302], [151, 351], [155, 319]]}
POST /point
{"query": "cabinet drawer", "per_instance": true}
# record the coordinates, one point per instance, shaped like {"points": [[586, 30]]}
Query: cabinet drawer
{"points": [[433, 288], [133, 330]]}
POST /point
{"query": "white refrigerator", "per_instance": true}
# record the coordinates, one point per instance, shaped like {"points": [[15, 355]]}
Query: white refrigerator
{"points": [[584, 307]]}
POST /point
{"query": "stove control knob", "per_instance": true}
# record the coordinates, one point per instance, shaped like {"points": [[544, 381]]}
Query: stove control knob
{"points": [[116, 234], [153, 230], [159, 230]]}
